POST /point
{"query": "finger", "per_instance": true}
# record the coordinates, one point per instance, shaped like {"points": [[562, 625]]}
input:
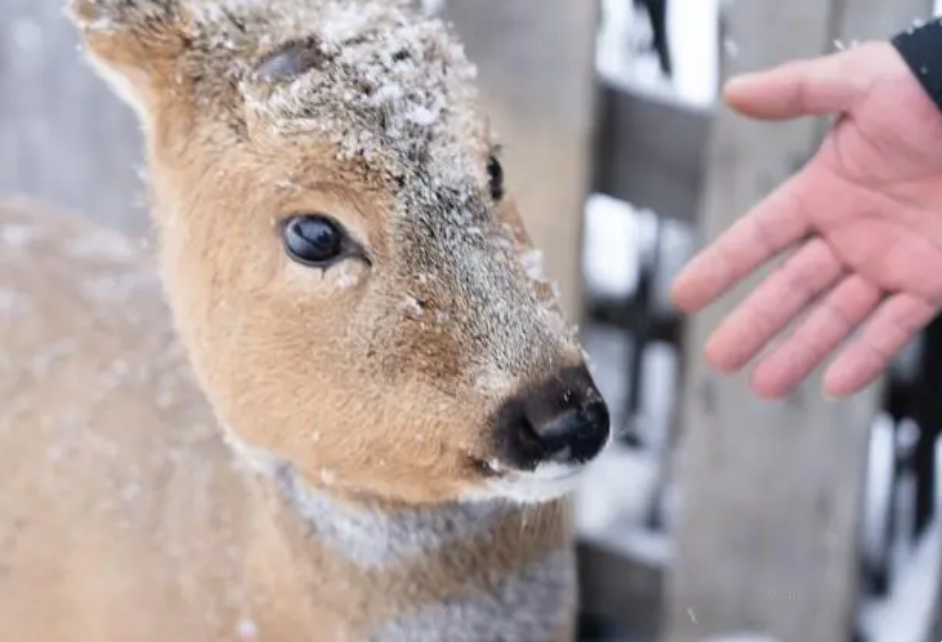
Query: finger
{"points": [[775, 224], [781, 297], [843, 309], [822, 85], [892, 326]]}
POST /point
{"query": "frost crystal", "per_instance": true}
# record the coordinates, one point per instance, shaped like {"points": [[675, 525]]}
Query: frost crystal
{"points": [[533, 263], [390, 88], [246, 629]]}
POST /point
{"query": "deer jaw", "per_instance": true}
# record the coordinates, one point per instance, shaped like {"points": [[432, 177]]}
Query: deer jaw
{"points": [[421, 364]]}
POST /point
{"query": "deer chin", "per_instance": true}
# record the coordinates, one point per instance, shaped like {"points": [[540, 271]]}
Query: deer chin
{"points": [[546, 483]]}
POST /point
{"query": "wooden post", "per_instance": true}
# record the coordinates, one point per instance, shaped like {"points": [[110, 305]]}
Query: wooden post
{"points": [[537, 73], [63, 137], [860, 20], [771, 492]]}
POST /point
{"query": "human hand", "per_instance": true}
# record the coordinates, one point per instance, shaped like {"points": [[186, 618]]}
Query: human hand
{"points": [[865, 215]]}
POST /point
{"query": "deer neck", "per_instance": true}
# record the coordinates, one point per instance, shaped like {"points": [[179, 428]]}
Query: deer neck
{"points": [[495, 569]]}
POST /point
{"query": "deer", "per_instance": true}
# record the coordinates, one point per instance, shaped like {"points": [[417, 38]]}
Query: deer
{"points": [[338, 404]]}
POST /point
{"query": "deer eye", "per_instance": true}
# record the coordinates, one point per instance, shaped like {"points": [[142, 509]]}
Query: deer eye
{"points": [[315, 240], [496, 174]]}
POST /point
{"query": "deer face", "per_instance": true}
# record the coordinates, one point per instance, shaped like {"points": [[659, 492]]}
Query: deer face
{"points": [[345, 267]]}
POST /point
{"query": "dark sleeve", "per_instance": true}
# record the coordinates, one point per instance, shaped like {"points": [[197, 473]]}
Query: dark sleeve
{"points": [[921, 48]]}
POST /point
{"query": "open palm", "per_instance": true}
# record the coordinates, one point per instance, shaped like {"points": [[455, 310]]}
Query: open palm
{"points": [[864, 216]]}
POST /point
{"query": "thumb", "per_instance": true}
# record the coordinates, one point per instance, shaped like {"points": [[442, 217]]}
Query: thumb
{"points": [[818, 86]]}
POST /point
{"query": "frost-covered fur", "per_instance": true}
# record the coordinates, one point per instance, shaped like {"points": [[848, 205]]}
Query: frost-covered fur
{"points": [[252, 112], [365, 394]]}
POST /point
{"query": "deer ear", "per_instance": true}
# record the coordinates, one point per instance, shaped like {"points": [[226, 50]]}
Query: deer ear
{"points": [[132, 43]]}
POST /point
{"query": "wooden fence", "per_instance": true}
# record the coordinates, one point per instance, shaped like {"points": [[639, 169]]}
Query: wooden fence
{"points": [[772, 492]]}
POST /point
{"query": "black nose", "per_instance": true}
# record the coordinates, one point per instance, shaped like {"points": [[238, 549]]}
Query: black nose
{"points": [[563, 420]]}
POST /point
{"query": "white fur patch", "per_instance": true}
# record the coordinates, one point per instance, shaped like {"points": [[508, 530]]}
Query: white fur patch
{"points": [[371, 538], [547, 483], [532, 605]]}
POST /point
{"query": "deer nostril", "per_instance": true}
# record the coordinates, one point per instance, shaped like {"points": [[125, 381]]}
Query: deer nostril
{"points": [[575, 436]]}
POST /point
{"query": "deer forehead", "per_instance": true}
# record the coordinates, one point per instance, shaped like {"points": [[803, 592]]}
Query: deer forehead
{"points": [[387, 86], [390, 89]]}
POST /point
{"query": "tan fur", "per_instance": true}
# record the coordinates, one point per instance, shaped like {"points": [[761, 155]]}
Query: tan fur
{"points": [[248, 310], [125, 516], [372, 385]]}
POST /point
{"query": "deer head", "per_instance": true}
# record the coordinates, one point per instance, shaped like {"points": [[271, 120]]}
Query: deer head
{"points": [[343, 263]]}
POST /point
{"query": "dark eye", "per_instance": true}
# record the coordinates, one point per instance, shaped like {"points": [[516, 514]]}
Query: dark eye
{"points": [[314, 240], [496, 174]]}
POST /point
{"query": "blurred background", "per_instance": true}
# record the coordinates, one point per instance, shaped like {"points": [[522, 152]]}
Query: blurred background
{"points": [[715, 516]]}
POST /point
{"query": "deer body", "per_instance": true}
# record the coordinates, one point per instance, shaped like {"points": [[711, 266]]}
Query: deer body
{"points": [[369, 427]]}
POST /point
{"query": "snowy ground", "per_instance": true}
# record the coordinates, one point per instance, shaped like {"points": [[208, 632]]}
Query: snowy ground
{"points": [[614, 500]]}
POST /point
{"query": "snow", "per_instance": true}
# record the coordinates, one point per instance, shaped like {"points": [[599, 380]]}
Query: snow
{"points": [[28, 36], [371, 66], [618, 491], [328, 477], [533, 264], [246, 629], [879, 500], [102, 245], [15, 236], [423, 116], [906, 615], [412, 306], [612, 234], [433, 7], [694, 47], [11, 302]]}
